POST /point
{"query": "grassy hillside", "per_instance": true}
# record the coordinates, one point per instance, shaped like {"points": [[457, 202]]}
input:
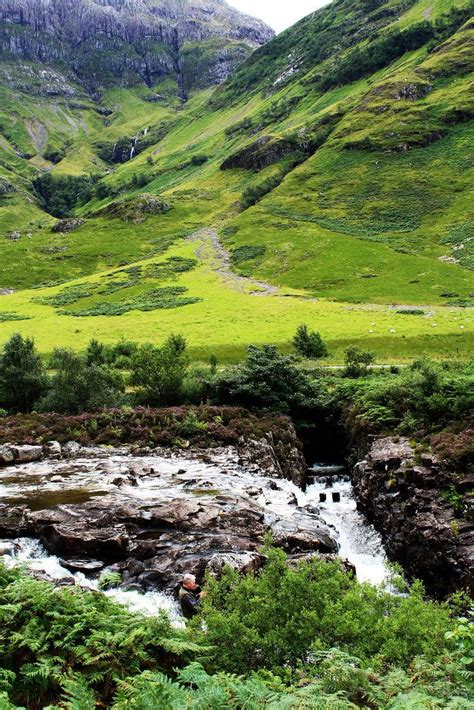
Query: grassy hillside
{"points": [[335, 166]]}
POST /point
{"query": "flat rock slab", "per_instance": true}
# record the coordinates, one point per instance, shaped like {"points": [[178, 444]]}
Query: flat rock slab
{"points": [[154, 517]]}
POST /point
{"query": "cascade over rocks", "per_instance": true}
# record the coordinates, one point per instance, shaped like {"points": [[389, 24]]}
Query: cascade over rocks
{"points": [[407, 498], [154, 517]]}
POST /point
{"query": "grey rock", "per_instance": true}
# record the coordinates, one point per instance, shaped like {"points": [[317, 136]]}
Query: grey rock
{"points": [[26, 454], [6, 455], [120, 38]]}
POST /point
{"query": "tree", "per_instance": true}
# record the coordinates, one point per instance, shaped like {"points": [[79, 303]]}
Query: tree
{"points": [[357, 362], [23, 379], [95, 353], [309, 343], [81, 387], [159, 373], [269, 380]]}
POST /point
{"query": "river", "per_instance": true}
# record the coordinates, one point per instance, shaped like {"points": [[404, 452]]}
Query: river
{"points": [[110, 481]]}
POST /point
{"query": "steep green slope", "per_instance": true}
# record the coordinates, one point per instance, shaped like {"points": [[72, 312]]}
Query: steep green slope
{"points": [[336, 164]]}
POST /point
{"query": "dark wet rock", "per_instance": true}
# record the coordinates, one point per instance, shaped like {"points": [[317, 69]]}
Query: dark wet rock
{"points": [[407, 499], [85, 566], [12, 521], [71, 540], [303, 532]]}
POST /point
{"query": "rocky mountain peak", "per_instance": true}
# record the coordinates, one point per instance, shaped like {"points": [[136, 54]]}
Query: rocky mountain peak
{"points": [[126, 42]]}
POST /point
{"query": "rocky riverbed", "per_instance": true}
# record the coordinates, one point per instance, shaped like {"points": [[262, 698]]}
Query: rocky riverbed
{"points": [[73, 512], [154, 516]]}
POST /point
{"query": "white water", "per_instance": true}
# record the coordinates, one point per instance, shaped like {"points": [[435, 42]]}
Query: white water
{"points": [[58, 483], [359, 542], [31, 554]]}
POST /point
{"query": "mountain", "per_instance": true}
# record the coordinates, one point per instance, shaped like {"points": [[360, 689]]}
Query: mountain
{"points": [[327, 180], [194, 43]]}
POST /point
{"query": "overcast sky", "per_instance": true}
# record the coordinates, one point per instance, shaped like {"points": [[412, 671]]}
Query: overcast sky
{"points": [[279, 14]]}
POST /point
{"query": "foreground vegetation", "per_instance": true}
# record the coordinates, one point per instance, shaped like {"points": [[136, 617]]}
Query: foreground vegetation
{"points": [[307, 637]]}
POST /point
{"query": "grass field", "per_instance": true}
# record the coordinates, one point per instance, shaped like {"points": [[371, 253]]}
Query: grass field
{"points": [[226, 319]]}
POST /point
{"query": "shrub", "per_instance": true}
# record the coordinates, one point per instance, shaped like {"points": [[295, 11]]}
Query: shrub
{"points": [[268, 380], [281, 616], [159, 373], [23, 378], [309, 343], [357, 362], [79, 385]]}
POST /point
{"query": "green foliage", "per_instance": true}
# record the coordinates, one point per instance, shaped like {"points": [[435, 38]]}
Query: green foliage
{"points": [[95, 353], [154, 299], [268, 380], [246, 253], [357, 362], [309, 343], [254, 193], [424, 397], [71, 640], [61, 194], [81, 384], [159, 373], [6, 317], [109, 579], [23, 377], [281, 616]]}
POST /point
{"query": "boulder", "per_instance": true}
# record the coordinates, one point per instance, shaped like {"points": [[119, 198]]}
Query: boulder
{"points": [[6, 455], [52, 449], [70, 540], [26, 454]]}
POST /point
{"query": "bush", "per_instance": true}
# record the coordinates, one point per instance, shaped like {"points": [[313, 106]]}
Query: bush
{"points": [[80, 384], [159, 373], [357, 362], [281, 616], [268, 380], [23, 378], [309, 343]]}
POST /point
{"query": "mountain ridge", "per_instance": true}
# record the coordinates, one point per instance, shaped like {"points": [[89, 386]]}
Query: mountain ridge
{"points": [[127, 41]]}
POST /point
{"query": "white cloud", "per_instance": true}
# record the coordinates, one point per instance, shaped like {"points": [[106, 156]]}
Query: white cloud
{"points": [[279, 14]]}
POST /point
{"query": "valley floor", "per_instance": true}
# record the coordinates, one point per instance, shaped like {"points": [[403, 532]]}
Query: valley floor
{"points": [[232, 311]]}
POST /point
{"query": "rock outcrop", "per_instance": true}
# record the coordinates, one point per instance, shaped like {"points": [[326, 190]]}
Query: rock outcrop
{"points": [[106, 42], [155, 516], [423, 511]]}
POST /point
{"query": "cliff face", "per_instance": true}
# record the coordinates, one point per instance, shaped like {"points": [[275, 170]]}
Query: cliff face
{"points": [[423, 511], [125, 42]]}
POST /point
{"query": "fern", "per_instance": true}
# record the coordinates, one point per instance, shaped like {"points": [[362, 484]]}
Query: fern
{"points": [[78, 695]]}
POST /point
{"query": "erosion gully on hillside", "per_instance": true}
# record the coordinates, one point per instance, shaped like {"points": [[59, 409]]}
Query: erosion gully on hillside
{"points": [[152, 517]]}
